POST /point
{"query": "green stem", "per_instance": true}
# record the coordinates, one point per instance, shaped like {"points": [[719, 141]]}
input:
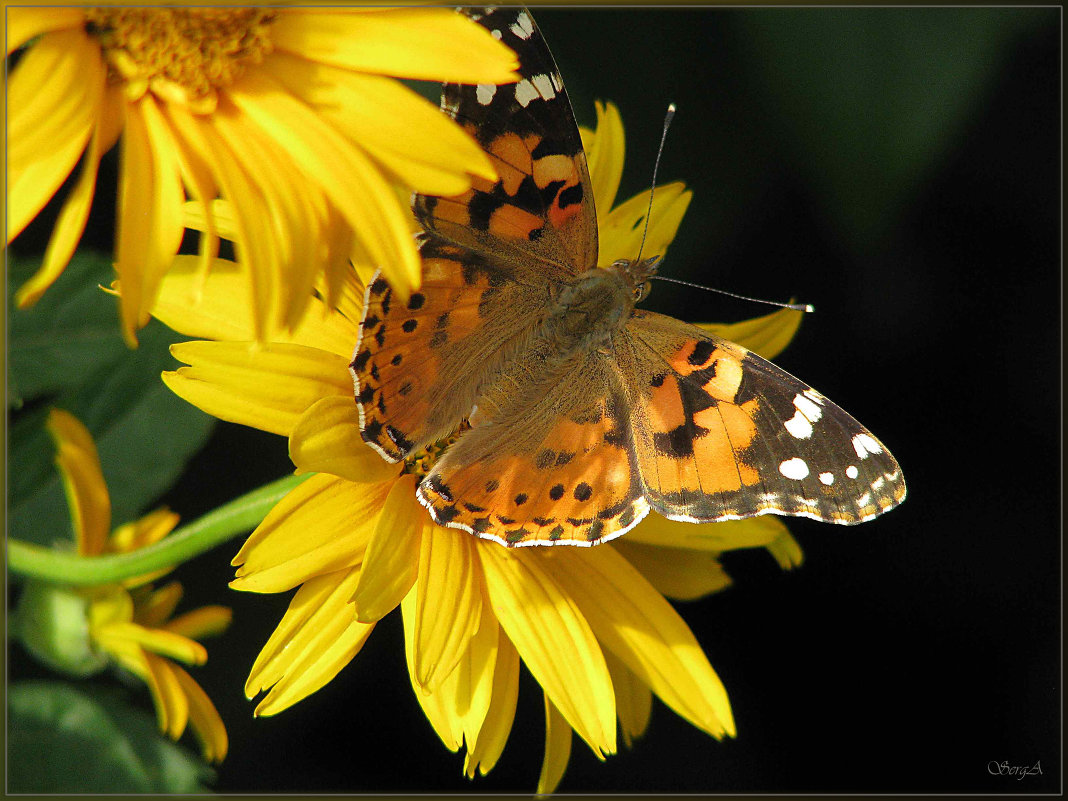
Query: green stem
{"points": [[62, 567]]}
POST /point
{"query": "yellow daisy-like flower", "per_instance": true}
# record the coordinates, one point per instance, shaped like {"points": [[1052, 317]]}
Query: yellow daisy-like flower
{"points": [[286, 113], [591, 625], [132, 624]]}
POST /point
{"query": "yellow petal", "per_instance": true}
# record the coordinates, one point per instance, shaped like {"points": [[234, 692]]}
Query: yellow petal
{"points": [[754, 532], [473, 679], [767, 336], [786, 550], [448, 602], [483, 753], [397, 127], [264, 386], [351, 181], [172, 704], [143, 532], [621, 230], [316, 638], [320, 526], [154, 609], [555, 641], [255, 235], [285, 287], [635, 622], [439, 707], [327, 439], [557, 749], [149, 224], [83, 481], [433, 44], [219, 306], [51, 120], [204, 717], [678, 573], [75, 213], [391, 563], [458, 706], [207, 621], [158, 641], [634, 701], [604, 153], [24, 24]]}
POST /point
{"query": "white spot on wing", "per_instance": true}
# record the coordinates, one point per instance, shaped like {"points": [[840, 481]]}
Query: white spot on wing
{"points": [[522, 27], [807, 407], [814, 396], [878, 483], [865, 445], [525, 92], [794, 468], [799, 425], [484, 93], [558, 83], [496, 34], [544, 86], [852, 471], [827, 478]]}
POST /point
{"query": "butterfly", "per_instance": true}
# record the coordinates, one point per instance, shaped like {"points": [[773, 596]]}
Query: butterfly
{"points": [[586, 412]]}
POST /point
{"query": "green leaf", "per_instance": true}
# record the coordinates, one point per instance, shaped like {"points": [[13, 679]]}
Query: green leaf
{"points": [[870, 98], [144, 433], [61, 739], [68, 335]]}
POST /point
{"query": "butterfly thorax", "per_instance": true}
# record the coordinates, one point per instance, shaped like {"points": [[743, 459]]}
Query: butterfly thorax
{"points": [[586, 312]]}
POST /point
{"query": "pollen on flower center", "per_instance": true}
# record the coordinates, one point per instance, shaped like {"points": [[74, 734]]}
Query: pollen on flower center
{"points": [[421, 462], [184, 54]]}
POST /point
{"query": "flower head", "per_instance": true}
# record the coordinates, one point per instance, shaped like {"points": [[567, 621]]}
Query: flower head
{"points": [[132, 624], [592, 625], [285, 112]]}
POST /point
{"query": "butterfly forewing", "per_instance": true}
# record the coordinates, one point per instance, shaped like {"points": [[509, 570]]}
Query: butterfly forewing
{"points": [[723, 434], [540, 210]]}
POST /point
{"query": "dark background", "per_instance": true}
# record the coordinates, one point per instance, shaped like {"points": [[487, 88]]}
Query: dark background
{"points": [[899, 169]]}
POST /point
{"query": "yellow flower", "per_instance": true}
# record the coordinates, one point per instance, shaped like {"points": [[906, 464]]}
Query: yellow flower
{"points": [[591, 625], [285, 112], [132, 624]]}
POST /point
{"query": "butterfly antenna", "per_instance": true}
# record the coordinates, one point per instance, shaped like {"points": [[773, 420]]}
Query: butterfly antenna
{"points": [[656, 165], [801, 307]]}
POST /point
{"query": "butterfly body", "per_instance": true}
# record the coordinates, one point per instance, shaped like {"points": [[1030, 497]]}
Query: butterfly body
{"points": [[586, 411]]}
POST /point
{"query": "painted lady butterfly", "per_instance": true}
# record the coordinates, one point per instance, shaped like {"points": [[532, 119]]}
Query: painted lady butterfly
{"points": [[589, 412]]}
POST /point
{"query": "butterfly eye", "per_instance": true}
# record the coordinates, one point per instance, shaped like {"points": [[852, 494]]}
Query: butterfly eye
{"points": [[642, 292]]}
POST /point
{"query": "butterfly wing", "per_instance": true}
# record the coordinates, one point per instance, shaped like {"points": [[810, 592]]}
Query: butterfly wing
{"points": [[540, 212], [554, 465], [490, 256], [721, 433], [418, 366]]}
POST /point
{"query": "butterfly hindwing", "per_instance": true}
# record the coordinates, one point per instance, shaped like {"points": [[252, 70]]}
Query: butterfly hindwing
{"points": [[524, 477]]}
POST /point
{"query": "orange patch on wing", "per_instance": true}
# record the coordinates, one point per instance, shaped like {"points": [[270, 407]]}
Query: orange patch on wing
{"points": [[511, 157], [398, 365], [665, 410], [554, 168], [697, 355], [511, 222], [730, 430], [576, 485]]}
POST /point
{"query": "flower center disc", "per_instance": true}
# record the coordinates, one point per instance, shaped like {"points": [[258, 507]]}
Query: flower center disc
{"points": [[182, 54]]}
